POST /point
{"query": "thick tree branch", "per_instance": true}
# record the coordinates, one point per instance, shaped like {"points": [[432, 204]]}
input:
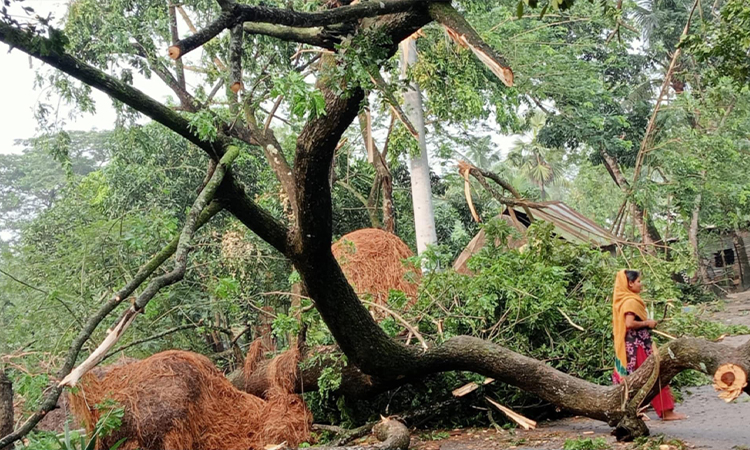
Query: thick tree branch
{"points": [[240, 13], [317, 36], [233, 196], [175, 39], [53, 392], [235, 59]]}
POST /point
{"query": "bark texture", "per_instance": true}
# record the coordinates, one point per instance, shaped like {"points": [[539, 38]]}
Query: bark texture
{"points": [[419, 165], [6, 407]]}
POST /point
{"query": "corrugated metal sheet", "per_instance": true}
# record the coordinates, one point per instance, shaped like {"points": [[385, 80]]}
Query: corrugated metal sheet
{"points": [[570, 224]]}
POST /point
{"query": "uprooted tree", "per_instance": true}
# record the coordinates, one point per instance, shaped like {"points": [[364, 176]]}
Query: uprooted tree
{"points": [[377, 359]]}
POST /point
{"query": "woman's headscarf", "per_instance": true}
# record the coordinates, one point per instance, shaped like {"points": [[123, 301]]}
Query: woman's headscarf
{"points": [[624, 301]]}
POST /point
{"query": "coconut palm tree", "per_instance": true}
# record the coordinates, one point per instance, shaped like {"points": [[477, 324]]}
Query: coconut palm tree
{"points": [[535, 161]]}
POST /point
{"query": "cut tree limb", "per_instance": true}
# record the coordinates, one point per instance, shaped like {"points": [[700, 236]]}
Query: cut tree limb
{"points": [[730, 380], [235, 59], [175, 38]]}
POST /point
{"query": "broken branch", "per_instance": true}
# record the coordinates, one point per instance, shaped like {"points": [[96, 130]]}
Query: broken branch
{"points": [[461, 31]]}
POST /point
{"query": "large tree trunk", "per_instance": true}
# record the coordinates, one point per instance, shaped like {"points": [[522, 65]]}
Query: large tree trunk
{"points": [[421, 189], [6, 407]]}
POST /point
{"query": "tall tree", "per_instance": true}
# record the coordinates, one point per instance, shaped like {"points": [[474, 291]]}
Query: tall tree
{"points": [[419, 165]]}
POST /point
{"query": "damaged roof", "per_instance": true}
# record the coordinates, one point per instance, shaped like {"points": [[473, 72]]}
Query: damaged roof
{"points": [[569, 223]]}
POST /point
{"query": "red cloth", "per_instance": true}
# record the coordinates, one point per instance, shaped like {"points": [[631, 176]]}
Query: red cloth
{"points": [[664, 400]]}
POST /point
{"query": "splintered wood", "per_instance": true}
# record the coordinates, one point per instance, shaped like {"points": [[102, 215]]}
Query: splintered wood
{"points": [[729, 380], [470, 387], [524, 422]]}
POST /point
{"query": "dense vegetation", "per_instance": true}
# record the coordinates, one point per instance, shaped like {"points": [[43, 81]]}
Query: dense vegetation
{"points": [[82, 211]]}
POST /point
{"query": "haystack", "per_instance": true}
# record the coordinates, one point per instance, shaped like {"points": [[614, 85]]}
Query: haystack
{"points": [[178, 400], [373, 262]]}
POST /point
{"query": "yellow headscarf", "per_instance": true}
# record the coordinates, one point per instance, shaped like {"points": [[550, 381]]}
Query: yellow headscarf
{"points": [[624, 301]]}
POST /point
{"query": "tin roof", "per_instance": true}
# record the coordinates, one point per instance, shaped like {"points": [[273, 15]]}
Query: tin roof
{"points": [[569, 223]]}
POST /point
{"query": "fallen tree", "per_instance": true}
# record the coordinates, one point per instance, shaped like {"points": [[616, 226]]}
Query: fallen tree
{"points": [[307, 243]]}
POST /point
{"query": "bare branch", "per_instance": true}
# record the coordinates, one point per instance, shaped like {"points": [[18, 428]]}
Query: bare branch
{"points": [[647, 137]]}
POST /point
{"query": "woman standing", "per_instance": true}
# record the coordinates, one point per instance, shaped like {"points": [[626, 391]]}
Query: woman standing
{"points": [[632, 337]]}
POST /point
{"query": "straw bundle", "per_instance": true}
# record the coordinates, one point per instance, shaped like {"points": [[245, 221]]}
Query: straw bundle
{"points": [[373, 262], [179, 400]]}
